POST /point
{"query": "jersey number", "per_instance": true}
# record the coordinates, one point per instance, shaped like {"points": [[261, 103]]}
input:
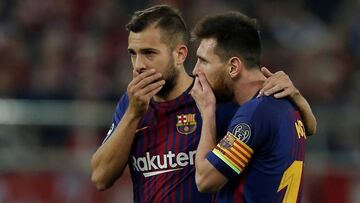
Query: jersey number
{"points": [[291, 179]]}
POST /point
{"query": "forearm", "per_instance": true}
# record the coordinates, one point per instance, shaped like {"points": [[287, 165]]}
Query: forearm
{"points": [[306, 113], [208, 179], [111, 158], [206, 144]]}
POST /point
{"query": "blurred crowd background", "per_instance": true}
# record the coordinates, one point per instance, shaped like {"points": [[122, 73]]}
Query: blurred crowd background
{"points": [[64, 65]]}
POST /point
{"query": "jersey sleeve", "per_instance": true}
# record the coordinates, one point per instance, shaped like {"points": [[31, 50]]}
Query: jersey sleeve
{"points": [[119, 113], [233, 153]]}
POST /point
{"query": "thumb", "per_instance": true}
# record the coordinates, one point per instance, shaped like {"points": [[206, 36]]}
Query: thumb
{"points": [[266, 72], [203, 81]]}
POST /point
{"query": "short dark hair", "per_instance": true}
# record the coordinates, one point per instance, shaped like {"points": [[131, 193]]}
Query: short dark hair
{"points": [[165, 17], [236, 35]]}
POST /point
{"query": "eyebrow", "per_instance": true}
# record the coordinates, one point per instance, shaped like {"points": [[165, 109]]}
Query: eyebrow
{"points": [[143, 50], [149, 49]]}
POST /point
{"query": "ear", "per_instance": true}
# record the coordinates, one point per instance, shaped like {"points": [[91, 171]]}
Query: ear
{"points": [[180, 54], [235, 67]]}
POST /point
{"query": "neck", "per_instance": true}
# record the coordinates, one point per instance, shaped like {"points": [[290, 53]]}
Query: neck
{"points": [[248, 86], [182, 83]]}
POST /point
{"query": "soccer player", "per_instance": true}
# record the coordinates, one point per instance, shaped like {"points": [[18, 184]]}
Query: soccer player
{"points": [[261, 157], [156, 126]]}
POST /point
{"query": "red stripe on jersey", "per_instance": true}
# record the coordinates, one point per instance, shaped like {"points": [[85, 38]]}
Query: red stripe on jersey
{"points": [[239, 192], [176, 146]]}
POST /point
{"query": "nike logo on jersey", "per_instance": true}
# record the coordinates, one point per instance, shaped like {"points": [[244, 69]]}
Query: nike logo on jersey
{"points": [[148, 174], [152, 165], [141, 129]]}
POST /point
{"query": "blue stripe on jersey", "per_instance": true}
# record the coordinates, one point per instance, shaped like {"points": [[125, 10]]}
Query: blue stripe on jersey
{"points": [[179, 195], [147, 142], [152, 142], [172, 143]]}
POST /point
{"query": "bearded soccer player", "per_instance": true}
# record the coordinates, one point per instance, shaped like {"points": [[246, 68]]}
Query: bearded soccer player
{"points": [[156, 126], [261, 157]]}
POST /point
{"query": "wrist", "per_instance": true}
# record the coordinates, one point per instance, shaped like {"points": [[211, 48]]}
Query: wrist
{"points": [[295, 95], [133, 114], [208, 112]]}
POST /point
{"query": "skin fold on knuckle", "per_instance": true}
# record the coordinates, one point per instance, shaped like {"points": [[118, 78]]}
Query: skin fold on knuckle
{"points": [[267, 87], [138, 95], [131, 91], [130, 85]]}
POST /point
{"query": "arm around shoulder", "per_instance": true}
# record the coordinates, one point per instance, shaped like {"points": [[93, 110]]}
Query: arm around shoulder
{"points": [[306, 112]]}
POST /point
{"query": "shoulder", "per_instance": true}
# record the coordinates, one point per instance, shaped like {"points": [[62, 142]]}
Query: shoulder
{"points": [[122, 105], [264, 109], [264, 105], [124, 99], [258, 119]]}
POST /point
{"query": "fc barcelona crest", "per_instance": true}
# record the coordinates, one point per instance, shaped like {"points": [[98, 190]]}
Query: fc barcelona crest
{"points": [[186, 123]]}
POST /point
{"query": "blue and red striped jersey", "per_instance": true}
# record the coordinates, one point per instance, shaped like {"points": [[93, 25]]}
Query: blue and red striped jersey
{"points": [[163, 152], [262, 154]]}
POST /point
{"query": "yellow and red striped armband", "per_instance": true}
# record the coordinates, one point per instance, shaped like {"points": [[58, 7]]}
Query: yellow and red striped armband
{"points": [[233, 152]]}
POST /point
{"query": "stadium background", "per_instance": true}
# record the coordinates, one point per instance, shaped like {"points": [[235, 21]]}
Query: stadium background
{"points": [[64, 64]]}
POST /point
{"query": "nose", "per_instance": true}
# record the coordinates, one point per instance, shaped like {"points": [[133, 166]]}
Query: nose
{"points": [[139, 64], [196, 69]]}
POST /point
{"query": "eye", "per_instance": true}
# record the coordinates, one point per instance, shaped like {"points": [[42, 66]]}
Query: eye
{"points": [[149, 54], [131, 52], [202, 60]]}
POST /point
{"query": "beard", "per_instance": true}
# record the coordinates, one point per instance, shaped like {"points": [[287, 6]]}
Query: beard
{"points": [[221, 90], [170, 78]]}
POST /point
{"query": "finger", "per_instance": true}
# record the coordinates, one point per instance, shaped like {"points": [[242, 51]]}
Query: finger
{"points": [[266, 72], [140, 76], [280, 73], [150, 88], [197, 84], [273, 90], [268, 84], [134, 85], [196, 87], [147, 80], [285, 80], [153, 92], [284, 93], [135, 73], [204, 82], [277, 78]]}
